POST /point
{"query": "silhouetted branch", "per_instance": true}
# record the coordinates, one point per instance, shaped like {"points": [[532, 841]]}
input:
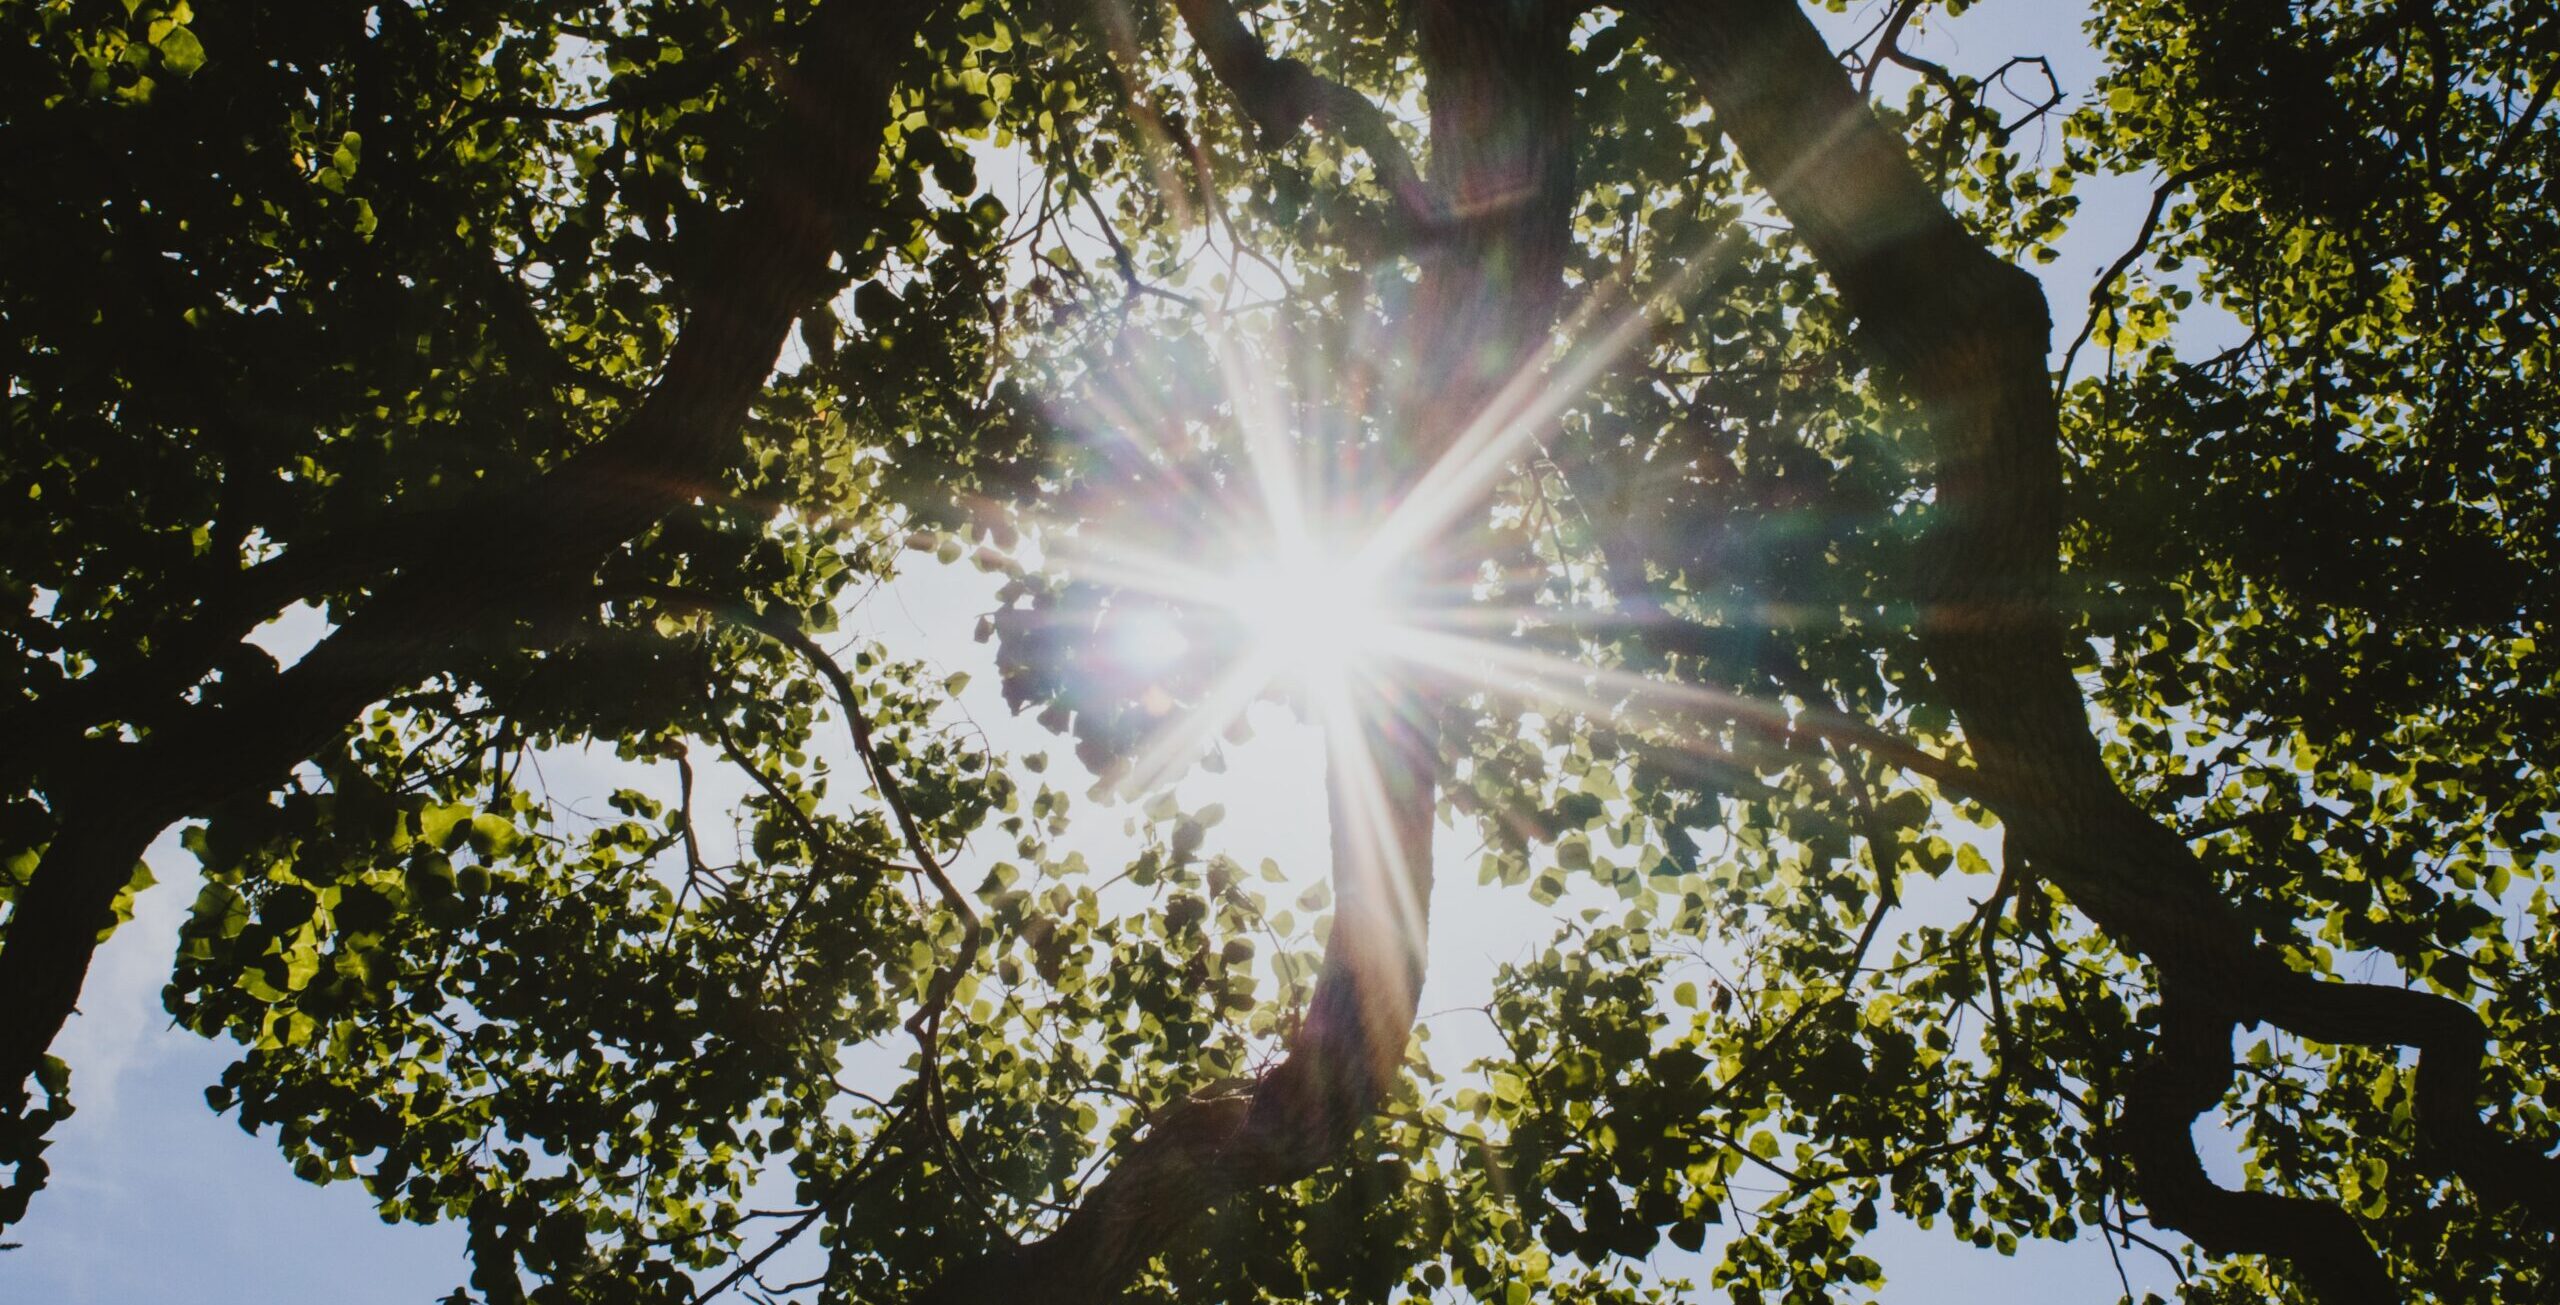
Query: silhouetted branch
{"points": [[2102, 295], [1281, 95], [1963, 336]]}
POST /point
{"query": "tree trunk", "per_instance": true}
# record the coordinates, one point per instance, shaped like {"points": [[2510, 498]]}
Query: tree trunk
{"points": [[1341, 1062], [1501, 164]]}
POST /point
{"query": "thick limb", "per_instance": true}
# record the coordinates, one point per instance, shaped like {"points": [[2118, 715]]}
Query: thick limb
{"points": [[2185, 1075], [1964, 337], [1338, 1069], [776, 249], [1501, 112]]}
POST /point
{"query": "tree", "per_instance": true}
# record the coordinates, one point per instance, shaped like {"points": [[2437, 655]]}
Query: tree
{"points": [[1738, 549]]}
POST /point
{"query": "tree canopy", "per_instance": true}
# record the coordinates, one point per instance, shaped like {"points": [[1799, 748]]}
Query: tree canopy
{"points": [[1966, 741]]}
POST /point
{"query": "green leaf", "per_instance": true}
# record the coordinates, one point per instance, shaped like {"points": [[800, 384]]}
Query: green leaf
{"points": [[180, 52], [53, 1074]]}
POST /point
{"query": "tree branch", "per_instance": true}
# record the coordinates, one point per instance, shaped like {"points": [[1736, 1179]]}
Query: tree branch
{"points": [[1501, 111], [1341, 1062], [2185, 1075], [113, 798], [925, 1025], [2102, 295], [1887, 45], [1962, 335], [1281, 95]]}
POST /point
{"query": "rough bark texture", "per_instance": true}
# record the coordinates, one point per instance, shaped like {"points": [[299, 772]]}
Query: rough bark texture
{"points": [[1964, 336], [1500, 212], [489, 564]]}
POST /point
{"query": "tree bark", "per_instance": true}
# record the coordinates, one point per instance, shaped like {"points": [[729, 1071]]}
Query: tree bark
{"points": [[1964, 336], [497, 562]]}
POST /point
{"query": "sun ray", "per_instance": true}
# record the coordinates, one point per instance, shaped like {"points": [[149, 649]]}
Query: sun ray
{"points": [[1611, 693], [1105, 560], [1269, 452], [1456, 482], [1251, 550], [1364, 799], [1167, 750]]}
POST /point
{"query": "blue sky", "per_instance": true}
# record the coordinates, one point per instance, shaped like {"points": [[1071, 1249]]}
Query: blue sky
{"points": [[157, 1199]]}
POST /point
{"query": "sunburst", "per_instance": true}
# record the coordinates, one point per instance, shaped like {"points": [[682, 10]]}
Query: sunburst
{"points": [[1284, 572]]}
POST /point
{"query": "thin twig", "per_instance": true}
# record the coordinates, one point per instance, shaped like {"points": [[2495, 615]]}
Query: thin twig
{"points": [[1893, 26], [2102, 295], [926, 1023]]}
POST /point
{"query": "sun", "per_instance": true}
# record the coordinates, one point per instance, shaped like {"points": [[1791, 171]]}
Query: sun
{"points": [[1310, 614], [1269, 561]]}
